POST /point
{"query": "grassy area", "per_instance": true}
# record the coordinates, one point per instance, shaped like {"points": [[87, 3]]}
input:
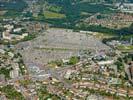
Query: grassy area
{"points": [[29, 37], [122, 47], [103, 35], [11, 94], [56, 63], [53, 15], [25, 82], [93, 8], [73, 60], [54, 8], [96, 28], [127, 36], [5, 72]]}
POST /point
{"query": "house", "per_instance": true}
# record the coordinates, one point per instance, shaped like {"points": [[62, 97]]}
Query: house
{"points": [[6, 35], [68, 74], [65, 61], [2, 51], [108, 62], [125, 7], [10, 54], [9, 27], [114, 81], [17, 30], [15, 72]]}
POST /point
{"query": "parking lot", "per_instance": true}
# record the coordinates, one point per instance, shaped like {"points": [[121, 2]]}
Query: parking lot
{"points": [[57, 44]]}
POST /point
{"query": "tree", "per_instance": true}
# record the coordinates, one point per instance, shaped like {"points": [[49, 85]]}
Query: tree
{"points": [[11, 93], [73, 60]]}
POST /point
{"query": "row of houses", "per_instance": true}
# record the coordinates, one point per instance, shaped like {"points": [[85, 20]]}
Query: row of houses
{"points": [[125, 7], [10, 32]]}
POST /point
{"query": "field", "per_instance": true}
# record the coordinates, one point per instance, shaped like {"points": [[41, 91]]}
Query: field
{"points": [[54, 8], [122, 47], [53, 15]]}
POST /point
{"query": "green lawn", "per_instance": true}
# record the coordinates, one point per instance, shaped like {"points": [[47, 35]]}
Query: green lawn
{"points": [[53, 15], [121, 47], [54, 8]]}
